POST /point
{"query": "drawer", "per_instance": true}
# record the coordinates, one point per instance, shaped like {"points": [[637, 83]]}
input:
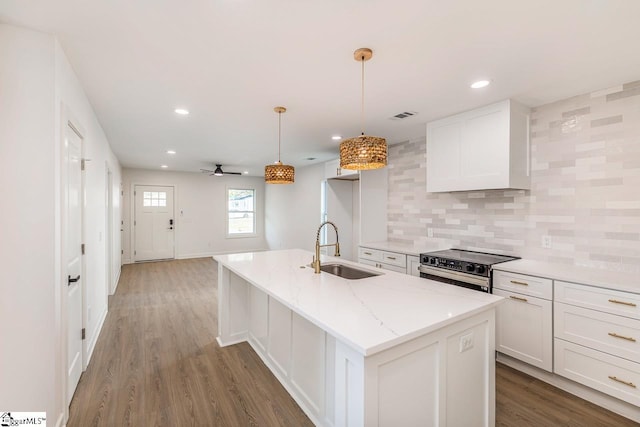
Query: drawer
{"points": [[382, 265], [368, 253], [523, 284], [393, 258], [616, 335], [524, 329], [609, 301], [609, 374]]}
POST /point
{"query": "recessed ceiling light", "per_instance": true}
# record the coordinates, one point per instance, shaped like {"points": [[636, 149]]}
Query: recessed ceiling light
{"points": [[171, 152], [246, 172], [164, 166], [336, 137], [181, 111], [480, 84]]}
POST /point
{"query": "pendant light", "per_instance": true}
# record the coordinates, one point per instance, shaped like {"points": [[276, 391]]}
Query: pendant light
{"points": [[279, 173], [365, 151]]}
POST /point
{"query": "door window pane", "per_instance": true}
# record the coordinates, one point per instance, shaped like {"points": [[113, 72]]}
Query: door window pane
{"points": [[154, 198]]}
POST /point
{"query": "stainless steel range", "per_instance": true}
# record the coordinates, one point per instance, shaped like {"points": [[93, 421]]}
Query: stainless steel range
{"points": [[461, 268]]}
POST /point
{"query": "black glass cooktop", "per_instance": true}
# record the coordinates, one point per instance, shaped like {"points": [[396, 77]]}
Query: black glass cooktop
{"points": [[471, 256]]}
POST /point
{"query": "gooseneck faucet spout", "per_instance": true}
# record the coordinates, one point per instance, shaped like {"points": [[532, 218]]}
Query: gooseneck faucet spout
{"points": [[316, 260]]}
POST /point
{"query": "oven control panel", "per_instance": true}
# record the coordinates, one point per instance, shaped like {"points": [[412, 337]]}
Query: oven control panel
{"points": [[457, 265]]}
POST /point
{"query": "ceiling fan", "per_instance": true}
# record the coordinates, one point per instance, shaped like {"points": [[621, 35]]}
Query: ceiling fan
{"points": [[218, 171]]}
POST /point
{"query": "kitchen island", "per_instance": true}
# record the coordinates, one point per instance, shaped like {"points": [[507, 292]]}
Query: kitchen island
{"points": [[388, 350]]}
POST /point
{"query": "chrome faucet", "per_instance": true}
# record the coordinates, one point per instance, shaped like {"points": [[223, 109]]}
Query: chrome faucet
{"points": [[316, 260]]}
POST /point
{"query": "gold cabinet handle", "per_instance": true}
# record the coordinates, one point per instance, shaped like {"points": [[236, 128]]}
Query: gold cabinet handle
{"points": [[615, 301], [613, 334], [518, 298], [515, 282], [392, 257], [368, 253], [630, 384]]}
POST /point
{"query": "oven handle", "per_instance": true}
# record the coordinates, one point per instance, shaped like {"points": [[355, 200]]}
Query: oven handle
{"points": [[461, 277]]}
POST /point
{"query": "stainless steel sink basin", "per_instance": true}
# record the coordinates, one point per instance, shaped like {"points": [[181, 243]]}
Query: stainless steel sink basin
{"points": [[346, 272]]}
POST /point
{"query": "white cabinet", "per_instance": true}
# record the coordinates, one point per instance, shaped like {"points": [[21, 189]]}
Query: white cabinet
{"points": [[394, 261], [524, 320], [597, 332], [413, 262], [332, 170], [486, 148]]}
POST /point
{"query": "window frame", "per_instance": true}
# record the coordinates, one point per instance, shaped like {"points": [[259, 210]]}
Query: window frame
{"points": [[228, 211]]}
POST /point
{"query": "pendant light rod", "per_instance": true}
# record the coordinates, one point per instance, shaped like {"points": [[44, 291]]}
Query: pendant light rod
{"points": [[279, 110], [363, 54]]}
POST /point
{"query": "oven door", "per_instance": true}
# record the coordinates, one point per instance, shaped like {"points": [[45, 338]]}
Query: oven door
{"points": [[469, 281]]}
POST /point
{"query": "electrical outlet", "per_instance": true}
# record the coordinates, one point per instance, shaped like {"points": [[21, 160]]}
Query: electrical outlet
{"points": [[466, 342], [429, 232], [546, 242]]}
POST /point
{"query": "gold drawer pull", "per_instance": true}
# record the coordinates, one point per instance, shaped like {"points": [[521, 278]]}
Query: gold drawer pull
{"points": [[518, 298], [630, 384], [392, 257], [615, 301], [515, 282], [368, 253], [613, 334]]}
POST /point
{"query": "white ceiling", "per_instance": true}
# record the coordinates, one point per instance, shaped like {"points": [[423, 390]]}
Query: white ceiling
{"points": [[231, 61]]}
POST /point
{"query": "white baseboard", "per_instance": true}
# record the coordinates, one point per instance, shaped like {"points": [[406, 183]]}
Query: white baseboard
{"points": [[610, 403], [126, 261], [60, 422], [95, 335]]}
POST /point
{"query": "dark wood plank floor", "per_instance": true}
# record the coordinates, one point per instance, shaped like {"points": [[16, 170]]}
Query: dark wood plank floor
{"points": [[157, 363]]}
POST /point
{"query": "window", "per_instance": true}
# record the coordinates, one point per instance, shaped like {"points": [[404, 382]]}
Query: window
{"points": [[241, 217], [154, 198]]}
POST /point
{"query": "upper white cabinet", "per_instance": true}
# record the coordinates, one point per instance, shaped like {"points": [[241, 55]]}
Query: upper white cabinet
{"points": [[332, 170], [482, 149]]}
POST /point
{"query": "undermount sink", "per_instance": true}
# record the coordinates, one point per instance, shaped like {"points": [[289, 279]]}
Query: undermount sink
{"points": [[346, 272]]}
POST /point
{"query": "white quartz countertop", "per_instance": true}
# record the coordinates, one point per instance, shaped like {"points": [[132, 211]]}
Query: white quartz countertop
{"points": [[405, 248], [617, 280], [371, 314]]}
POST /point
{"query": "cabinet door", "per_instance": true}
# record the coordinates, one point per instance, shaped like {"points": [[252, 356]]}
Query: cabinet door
{"points": [[484, 149], [524, 328], [413, 262], [443, 154]]}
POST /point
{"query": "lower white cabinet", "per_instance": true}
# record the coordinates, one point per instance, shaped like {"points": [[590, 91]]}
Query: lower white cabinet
{"points": [[524, 329], [524, 322], [597, 339], [413, 262], [394, 261], [606, 373]]}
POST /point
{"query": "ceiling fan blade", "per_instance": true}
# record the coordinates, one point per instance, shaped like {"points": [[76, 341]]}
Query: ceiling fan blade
{"points": [[205, 171], [233, 173]]}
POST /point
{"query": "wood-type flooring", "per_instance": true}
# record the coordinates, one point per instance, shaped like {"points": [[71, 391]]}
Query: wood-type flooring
{"points": [[157, 363]]}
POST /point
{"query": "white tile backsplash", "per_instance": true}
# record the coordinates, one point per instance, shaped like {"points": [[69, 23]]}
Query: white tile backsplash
{"points": [[585, 190]]}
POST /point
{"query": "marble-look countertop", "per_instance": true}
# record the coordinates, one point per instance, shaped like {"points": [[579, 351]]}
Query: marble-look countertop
{"points": [[617, 280], [370, 315], [405, 248]]}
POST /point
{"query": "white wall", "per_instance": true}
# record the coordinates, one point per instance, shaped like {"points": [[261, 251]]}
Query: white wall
{"points": [[38, 89], [201, 209], [292, 211], [72, 103], [28, 283]]}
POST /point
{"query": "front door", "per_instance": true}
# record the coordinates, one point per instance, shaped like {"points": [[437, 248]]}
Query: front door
{"points": [[73, 199], [153, 223]]}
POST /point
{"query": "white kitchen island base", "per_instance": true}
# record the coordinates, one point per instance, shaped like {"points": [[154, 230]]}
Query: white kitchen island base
{"points": [[442, 378]]}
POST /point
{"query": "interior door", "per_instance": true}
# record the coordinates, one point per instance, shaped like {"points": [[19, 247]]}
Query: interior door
{"points": [[73, 196], [153, 223]]}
